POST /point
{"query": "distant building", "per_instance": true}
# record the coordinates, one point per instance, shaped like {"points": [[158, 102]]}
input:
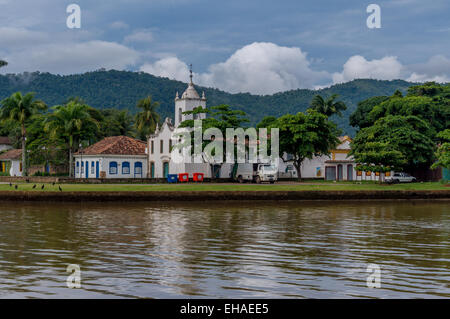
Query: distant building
{"points": [[336, 166], [113, 157], [5, 143], [11, 162]]}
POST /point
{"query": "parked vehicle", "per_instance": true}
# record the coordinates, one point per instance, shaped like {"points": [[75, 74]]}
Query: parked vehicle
{"points": [[400, 178], [257, 173], [289, 172]]}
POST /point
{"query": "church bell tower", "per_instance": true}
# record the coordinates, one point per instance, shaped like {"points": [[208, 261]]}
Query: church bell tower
{"points": [[188, 101]]}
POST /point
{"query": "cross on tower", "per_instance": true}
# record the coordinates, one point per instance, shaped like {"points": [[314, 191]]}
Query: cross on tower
{"points": [[191, 76]]}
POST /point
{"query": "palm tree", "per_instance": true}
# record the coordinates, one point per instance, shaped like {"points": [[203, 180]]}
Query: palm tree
{"points": [[3, 63], [73, 122], [328, 107], [124, 122], [148, 118], [20, 109]]}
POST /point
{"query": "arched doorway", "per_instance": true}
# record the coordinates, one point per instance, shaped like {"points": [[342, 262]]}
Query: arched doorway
{"points": [[165, 169], [152, 170], [349, 172], [340, 173]]}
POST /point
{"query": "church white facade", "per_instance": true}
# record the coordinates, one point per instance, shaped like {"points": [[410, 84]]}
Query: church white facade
{"points": [[160, 143]]}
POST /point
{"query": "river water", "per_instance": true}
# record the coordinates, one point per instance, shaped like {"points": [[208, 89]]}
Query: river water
{"points": [[226, 249]]}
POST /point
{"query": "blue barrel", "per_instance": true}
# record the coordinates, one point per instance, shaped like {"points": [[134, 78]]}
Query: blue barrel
{"points": [[172, 178]]}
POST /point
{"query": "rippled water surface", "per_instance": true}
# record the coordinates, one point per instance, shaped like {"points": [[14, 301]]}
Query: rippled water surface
{"points": [[225, 250]]}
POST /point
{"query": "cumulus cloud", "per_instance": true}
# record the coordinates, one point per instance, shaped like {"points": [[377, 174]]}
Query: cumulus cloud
{"points": [[169, 67], [12, 37], [437, 69], [259, 68], [67, 58], [357, 67]]}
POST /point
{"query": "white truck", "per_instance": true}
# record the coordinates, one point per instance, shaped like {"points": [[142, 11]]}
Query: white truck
{"points": [[257, 173], [400, 178]]}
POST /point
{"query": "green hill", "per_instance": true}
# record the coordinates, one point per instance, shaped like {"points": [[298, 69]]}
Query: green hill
{"points": [[122, 89]]}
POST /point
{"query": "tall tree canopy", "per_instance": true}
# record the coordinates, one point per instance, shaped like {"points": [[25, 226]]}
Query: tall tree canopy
{"points": [[306, 135], [3, 63], [328, 106], [20, 109], [74, 123], [147, 118], [377, 157], [409, 135], [443, 152], [221, 117]]}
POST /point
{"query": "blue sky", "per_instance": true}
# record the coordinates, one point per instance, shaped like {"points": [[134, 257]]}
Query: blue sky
{"points": [[256, 46]]}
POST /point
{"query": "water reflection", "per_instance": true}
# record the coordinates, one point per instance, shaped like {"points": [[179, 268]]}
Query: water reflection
{"points": [[235, 250]]}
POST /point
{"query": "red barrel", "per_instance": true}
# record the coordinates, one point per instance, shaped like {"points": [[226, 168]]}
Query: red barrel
{"points": [[183, 178], [198, 177]]}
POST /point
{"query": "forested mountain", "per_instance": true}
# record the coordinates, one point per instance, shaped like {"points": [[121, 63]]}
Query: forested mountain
{"points": [[122, 90]]}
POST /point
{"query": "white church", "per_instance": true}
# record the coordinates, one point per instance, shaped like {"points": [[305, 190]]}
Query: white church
{"points": [[160, 143]]}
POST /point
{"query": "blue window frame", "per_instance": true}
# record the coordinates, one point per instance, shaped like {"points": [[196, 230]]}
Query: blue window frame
{"points": [[77, 171], [126, 168], [138, 169], [113, 168], [93, 168], [82, 167]]}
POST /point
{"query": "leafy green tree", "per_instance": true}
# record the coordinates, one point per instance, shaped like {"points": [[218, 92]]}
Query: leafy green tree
{"points": [[43, 148], [360, 117], [443, 152], [410, 135], [20, 109], [147, 118], [266, 122], [306, 135], [73, 123], [328, 106], [377, 157], [221, 117], [3, 63]]}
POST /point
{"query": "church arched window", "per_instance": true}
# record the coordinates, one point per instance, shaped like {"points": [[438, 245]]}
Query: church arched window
{"points": [[180, 115]]}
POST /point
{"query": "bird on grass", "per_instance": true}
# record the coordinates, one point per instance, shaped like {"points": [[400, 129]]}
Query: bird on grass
{"points": [[43, 186], [60, 189], [10, 185], [53, 183], [34, 186], [16, 187]]}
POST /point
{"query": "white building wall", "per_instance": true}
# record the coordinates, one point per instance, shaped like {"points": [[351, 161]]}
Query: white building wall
{"points": [[104, 166], [185, 105]]}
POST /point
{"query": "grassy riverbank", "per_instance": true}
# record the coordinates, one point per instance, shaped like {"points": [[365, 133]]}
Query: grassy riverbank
{"points": [[210, 187]]}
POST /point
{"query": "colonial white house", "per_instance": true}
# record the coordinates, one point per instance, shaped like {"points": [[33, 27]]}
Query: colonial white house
{"points": [[5, 143], [160, 143], [113, 157], [337, 166], [11, 162]]}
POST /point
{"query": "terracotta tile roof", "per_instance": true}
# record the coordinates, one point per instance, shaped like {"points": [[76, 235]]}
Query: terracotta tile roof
{"points": [[12, 155], [116, 145], [5, 140]]}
